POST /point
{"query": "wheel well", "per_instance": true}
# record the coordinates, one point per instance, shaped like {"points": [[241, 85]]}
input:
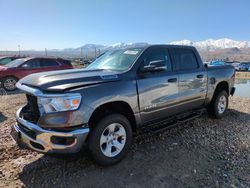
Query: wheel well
{"points": [[222, 86], [9, 76], [119, 107]]}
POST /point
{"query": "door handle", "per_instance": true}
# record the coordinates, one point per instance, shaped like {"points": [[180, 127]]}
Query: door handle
{"points": [[200, 76], [172, 80]]}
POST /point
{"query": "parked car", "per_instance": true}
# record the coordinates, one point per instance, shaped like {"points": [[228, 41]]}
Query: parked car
{"points": [[236, 66], [19, 68], [123, 90], [7, 59], [216, 63], [87, 62], [243, 66]]}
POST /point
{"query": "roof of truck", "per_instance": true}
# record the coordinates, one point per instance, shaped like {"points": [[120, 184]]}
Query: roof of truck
{"points": [[170, 46], [161, 45]]}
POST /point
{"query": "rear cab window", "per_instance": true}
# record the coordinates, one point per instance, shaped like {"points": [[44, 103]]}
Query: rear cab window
{"points": [[185, 59]]}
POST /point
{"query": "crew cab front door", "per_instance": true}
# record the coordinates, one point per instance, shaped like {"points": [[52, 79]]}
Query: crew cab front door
{"points": [[29, 67], [157, 89]]}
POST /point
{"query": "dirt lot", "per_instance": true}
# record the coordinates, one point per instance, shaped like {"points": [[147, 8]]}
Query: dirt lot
{"points": [[203, 152]]}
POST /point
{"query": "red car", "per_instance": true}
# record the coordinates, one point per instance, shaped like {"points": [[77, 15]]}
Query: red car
{"points": [[19, 68]]}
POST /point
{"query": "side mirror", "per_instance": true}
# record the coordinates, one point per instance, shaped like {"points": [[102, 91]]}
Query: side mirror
{"points": [[25, 66], [157, 65]]}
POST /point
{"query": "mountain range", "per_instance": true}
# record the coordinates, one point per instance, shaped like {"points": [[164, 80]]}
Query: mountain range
{"points": [[209, 44], [212, 44], [205, 45], [209, 49]]}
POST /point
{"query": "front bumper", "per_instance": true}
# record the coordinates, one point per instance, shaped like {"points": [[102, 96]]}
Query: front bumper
{"points": [[46, 141]]}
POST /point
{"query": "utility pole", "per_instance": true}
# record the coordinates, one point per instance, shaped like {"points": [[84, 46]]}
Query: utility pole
{"points": [[95, 52], [45, 51], [19, 51], [81, 54]]}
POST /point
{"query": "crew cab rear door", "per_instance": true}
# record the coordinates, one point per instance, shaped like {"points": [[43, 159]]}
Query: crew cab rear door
{"points": [[49, 64], [192, 78], [157, 90]]}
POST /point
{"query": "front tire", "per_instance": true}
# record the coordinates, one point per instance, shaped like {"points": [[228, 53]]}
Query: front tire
{"points": [[9, 83], [110, 139], [219, 104]]}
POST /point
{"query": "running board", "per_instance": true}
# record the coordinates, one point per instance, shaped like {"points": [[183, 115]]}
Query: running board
{"points": [[172, 121]]}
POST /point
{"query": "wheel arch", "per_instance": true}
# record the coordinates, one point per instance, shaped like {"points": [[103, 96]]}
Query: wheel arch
{"points": [[120, 107], [12, 76], [223, 85]]}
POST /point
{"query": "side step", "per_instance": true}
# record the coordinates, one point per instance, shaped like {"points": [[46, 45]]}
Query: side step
{"points": [[172, 121]]}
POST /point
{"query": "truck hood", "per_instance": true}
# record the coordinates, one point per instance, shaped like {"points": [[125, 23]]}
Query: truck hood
{"points": [[68, 79]]}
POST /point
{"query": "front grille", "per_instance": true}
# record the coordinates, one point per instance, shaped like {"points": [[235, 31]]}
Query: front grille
{"points": [[31, 110]]}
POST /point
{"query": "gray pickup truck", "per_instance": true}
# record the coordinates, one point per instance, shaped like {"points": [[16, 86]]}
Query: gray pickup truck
{"points": [[122, 90]]}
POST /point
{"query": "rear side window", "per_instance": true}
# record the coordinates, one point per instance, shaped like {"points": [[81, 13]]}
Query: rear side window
{"points": [[185, 59], [48, 63], [160, 54]]}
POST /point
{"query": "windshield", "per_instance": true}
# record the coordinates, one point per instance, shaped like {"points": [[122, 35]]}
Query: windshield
{"points": [[118, 60], [15, 63]]}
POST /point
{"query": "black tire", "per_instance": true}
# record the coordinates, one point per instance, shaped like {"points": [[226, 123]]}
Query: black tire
{"points": [[213, 108], [94, 140], [10, 79]]}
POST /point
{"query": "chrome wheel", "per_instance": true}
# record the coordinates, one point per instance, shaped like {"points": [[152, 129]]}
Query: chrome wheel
{"points": [[222, 104], [10, 84], [113, 140]]}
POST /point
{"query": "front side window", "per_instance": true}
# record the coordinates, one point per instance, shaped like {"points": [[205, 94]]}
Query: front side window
{"points": [[160, 54], [118, 60], [33, 63], [185, 59]]}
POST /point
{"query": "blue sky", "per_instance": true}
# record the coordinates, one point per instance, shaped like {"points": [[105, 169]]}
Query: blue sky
{"points": [[57, 24]]}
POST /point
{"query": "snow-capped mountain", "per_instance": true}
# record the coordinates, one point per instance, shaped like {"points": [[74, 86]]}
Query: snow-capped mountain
{"points": [[90, 47], [212, 44], [209, 44]]}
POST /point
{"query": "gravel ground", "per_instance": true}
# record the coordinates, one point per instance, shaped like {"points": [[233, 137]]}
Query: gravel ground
{"points": [[202, 153]]}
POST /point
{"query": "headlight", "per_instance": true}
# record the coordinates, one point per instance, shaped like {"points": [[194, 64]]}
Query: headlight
{"points": [[58, 103]]}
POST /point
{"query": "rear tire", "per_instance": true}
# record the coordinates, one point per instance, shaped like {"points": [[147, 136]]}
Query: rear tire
{"points": [[9, 83], [110, 139], [218, 105]]}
